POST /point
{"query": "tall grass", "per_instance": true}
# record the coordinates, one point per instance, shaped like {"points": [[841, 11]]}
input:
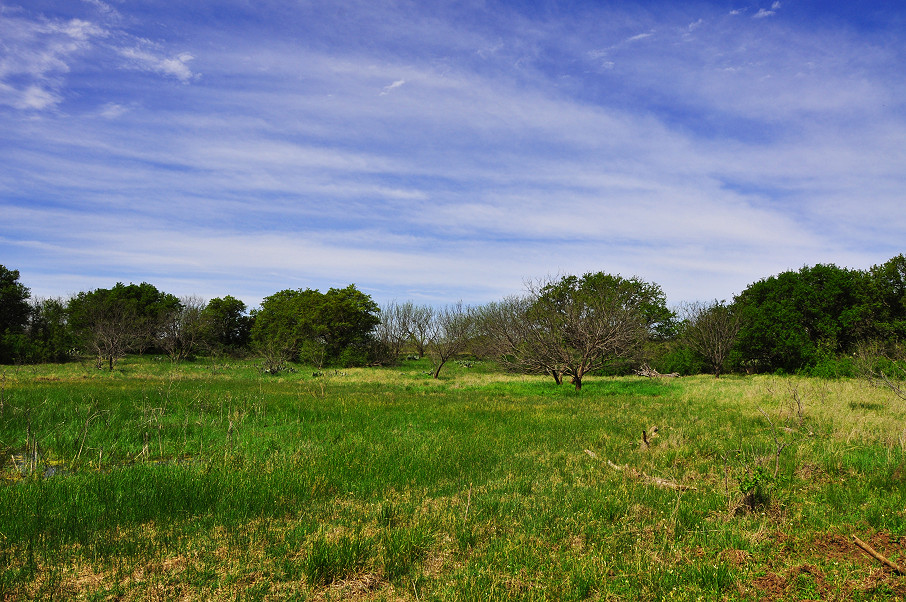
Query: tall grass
{"points": [[201, 483]]}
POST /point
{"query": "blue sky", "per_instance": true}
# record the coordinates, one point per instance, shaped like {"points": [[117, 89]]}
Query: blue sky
{"points": [[438, 151]]}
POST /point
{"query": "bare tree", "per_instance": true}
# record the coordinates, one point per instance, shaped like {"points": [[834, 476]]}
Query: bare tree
{"points": [[419, 322], [392, 333], [110, 332], [450, 333], [710, 331], [509, 335], [182, 328]]}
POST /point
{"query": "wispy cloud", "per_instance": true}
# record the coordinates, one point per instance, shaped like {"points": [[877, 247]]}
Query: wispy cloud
{"points": [[572, 143], [767, 13], [35, 56], [640, 36], [175, 66], [386, 90], [39, 53]]}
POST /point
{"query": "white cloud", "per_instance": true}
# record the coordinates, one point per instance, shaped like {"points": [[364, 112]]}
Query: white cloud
{"points": [[640, 36], [150, 61], [112, 110], [34, 97], [762, 13], [386, 90]]}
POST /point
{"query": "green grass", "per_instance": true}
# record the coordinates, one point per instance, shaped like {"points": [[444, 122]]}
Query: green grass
{"points": [[203, 481]]}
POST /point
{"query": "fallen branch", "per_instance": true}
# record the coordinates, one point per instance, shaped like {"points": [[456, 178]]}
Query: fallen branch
{"points": [[657, 481], [878, 556], [649, 372]]}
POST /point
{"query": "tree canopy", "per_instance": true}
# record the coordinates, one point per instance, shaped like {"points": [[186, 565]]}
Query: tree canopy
{"points": [[14, 313], [572, 326], [790, 320], [317, 327]]}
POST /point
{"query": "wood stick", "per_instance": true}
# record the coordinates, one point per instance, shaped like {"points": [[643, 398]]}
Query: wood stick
{"points": [[878, 556], [659, 482]]}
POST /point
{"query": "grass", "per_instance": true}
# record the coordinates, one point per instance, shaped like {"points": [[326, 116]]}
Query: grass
{"points": [[203, 481]]}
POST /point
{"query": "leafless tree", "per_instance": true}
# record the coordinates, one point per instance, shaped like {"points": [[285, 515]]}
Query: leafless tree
{"points": [[449, 334], [419, 322], [509, 335], [110, 332], [392, 333], [710, 331], [182, 328]]}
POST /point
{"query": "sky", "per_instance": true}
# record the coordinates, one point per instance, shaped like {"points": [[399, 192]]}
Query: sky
{"points": [[447, 150]]}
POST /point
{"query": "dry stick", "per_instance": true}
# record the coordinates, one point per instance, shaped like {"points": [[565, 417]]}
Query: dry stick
{"points": [[878, 556], [644, 477]]}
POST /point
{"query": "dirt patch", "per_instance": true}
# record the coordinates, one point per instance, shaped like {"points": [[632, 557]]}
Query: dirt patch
{"points": [[736, 558], [771, 586], [818, 578], [803, 582]]}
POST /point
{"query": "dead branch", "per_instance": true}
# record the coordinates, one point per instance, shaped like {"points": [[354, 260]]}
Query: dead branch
{"points": [[878, 556], [657, 481], [649, 372]]}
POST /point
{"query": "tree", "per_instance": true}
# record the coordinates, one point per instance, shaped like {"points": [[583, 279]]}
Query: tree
{"points": [[710, 330], [14, 313], [392, 333], [112, 322], [450, 333], [793, 319], [419, 322], [49, 337], [227, 325], [515, 338], [182, 329], [572, 326], [335, 326], [887, 286], [347, 319]]}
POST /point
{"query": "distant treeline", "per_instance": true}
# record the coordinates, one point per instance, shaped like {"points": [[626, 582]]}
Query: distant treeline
{"points": [[817, 320]]}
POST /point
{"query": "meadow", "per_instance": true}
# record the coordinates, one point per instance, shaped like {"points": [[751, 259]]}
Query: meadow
{"points": [[203, 481]]}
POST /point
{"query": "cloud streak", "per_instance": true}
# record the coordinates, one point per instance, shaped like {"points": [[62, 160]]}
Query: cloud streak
{"points": [[446, 154]]}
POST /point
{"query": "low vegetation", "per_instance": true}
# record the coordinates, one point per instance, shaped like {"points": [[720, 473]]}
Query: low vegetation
{"points": [[212, 480]]}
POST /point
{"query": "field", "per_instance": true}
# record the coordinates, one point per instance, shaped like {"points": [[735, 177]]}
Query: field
{"points": [[203, 481]]}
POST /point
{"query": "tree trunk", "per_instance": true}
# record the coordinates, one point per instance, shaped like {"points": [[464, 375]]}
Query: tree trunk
{"points": [[557, 377], [577, 380]]}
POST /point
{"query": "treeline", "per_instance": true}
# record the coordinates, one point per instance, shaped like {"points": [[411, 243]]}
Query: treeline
{"points": [[815, 320]]}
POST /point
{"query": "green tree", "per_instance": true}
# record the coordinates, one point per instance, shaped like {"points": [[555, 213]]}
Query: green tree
{"points": [[49, 337], [793, 320], [573, 326], [887, 285], [316, 327], [228, 326], [14, 313]]}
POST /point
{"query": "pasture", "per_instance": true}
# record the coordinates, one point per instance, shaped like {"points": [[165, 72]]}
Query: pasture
{"points": [[214, 482]]}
